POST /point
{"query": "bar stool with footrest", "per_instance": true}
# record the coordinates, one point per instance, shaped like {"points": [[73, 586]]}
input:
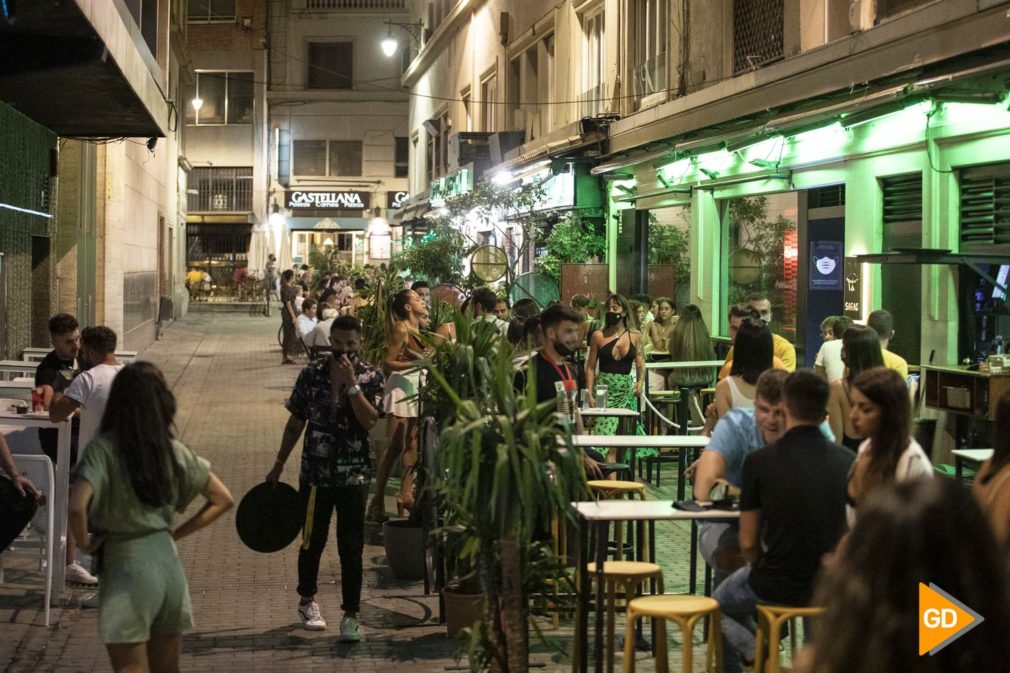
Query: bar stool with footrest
{"points": [[610, 489], [629, 576], [686, 611], [769, 625]]}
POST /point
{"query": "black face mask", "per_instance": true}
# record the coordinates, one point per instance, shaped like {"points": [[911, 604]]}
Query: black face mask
{"points": [[613, 318], [351, 355], [563, 350]]}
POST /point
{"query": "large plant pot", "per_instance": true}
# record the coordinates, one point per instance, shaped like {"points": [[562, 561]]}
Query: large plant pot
{"points": [[461, 610], [404, 549]]}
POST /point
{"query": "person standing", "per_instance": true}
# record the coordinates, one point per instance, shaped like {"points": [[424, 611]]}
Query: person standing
{"points": [[339, 398], [403, 349], [882, 322], [288, 317], [271, 279], [54, 375], [131, 482], [89, 391]]}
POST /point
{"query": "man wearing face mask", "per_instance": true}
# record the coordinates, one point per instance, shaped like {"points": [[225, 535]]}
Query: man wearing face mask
{"points": [[560, 325], [339, 398]]}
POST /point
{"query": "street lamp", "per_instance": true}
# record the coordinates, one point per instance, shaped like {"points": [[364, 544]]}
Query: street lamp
{"points": [[276, 218], [390, 45]]}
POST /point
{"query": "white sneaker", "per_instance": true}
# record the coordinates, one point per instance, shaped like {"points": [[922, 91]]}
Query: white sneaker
{"points": [[350, 630], [89, 601], [76, 574], [312, 618]]}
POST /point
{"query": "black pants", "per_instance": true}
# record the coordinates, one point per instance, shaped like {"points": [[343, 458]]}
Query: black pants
{"points": [[290, 338], [15, 512], [320, 502]]}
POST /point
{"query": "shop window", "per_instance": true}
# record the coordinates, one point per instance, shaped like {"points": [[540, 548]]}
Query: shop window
{"points": [[220, 189], [591, 100], [330, 65], [649, 37], [762, 256], [210, 11], [758, 33], [225, 98], [401, 157]]}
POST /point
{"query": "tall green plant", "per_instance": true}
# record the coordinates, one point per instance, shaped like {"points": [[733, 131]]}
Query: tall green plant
{"points": [[504, 468], [572, 240]]}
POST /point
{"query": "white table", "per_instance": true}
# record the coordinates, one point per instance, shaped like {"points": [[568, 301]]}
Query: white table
{"points": [[659, 442], [974, 456], [10, 369], [600, 514], [59, 499], [624, 417], [16, 390]]}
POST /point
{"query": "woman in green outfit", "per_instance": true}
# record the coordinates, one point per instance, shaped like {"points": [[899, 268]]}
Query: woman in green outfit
{"points": [[131, 481], [615, 348]]}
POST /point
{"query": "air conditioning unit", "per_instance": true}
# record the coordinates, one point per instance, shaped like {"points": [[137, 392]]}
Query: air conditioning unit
{"points": [[468, 147]]}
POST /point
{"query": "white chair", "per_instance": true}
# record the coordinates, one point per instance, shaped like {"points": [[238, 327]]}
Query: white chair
{"points": [[35, 543]]}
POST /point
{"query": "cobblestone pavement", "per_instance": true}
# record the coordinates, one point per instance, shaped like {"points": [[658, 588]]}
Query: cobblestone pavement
{"points": [[224, 370]]}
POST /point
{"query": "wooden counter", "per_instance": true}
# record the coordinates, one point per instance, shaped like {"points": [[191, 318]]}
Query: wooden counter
{"points": [[959, 391]]}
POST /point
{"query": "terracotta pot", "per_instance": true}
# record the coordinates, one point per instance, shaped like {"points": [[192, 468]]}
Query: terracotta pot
{"points": [[461, 610], [404, 549]]}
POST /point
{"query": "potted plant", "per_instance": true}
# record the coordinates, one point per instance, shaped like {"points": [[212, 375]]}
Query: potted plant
{"points": [[504, 468]]}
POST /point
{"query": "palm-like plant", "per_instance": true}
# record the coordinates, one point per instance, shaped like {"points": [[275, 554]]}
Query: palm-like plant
{"points": [[505, 467]]}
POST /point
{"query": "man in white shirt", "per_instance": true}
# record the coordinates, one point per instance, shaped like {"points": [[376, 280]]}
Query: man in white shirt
{"points": [[89, 391], [829, 363], [482, 302], [306, 322], [319, 337]]}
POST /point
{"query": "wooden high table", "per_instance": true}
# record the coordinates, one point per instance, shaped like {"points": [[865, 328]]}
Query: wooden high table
{"points": [[599, 515], [60, 498]]}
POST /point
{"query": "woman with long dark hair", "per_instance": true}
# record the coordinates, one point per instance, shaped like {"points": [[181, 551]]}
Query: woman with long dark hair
{"points": [[130, 484], [922, 532], [616, 349], [406, 313], [992, 484], [882, 413], [860, 352], [753, 353], [690, 341]]}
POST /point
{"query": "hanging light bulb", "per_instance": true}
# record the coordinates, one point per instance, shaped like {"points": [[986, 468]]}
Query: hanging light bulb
{"points": [[389, 44]]}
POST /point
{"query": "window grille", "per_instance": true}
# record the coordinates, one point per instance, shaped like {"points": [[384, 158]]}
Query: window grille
{"points": [[902, 195], [985, 205], [221, 190], [758, 27]]}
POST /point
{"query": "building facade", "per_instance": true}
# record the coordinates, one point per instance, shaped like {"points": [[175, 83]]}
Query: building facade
{"points": [[785, 138], [104, 80], [337, 127]]}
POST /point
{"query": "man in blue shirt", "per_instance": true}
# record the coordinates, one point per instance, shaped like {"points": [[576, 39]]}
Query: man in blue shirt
{"points": [[738, 434]]}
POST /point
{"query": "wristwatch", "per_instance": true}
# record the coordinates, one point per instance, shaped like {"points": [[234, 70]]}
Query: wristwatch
{"points": [[353, 390]]}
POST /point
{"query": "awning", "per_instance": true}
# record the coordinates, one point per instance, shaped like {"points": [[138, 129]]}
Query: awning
{"points": [[413, 208], [327, 223]]}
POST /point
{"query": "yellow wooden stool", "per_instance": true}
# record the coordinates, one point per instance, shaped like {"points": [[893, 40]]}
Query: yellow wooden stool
{"points": [[629, 575], [769, 625], [611, 489], [686, 611]]}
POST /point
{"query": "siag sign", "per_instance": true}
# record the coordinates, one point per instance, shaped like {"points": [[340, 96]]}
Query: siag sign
{"points": [[853, 290], [396, 199], [298, 200]]}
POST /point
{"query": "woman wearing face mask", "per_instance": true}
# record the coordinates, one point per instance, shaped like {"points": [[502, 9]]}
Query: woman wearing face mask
{"points": [[615, 348]]}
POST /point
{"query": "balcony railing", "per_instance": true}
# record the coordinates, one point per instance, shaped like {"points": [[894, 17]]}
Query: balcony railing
{"points": [[357, 5], [220, 190], [593, 101], [649, 77]]}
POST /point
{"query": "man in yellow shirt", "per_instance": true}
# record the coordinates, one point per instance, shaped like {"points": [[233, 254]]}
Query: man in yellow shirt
{"points": [[882, 322], [760, 307]]}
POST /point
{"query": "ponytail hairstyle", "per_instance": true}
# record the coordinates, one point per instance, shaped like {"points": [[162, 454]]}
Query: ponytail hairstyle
{"points": [[397, 307]]}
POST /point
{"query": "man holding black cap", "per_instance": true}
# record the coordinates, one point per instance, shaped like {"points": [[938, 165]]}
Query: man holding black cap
{"points": [[339, 398]]}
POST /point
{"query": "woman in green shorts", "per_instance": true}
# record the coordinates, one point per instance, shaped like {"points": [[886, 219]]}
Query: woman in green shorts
{"points": [[136, 478]]}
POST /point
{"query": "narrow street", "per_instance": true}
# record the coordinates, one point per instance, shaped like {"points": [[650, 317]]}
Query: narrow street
{"points": [[230, 391]]}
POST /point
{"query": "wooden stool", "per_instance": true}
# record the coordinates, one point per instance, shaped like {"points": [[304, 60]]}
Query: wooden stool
{"points": [[770, 621], [630, 575], [610, 489], [686, 611]]}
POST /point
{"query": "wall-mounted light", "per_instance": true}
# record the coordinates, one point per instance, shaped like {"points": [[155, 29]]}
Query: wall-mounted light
{"points": [[197, 103], [389, 44], [276, 218]]}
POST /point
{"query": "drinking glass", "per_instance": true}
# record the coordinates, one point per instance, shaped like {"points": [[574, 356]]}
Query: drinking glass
{"points": [[601, 397]]}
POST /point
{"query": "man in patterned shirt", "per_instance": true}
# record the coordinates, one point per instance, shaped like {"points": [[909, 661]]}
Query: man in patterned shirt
{"points": [[339, 398]]}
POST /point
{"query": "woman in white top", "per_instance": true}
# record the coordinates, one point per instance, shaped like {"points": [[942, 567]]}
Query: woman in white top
{"points": [[882, 413], [753, 353]]}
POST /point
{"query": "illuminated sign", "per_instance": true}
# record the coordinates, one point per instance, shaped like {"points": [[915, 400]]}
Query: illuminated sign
{"points": [[455, 184], [297, 200], [396, 199], [853, 280]]}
